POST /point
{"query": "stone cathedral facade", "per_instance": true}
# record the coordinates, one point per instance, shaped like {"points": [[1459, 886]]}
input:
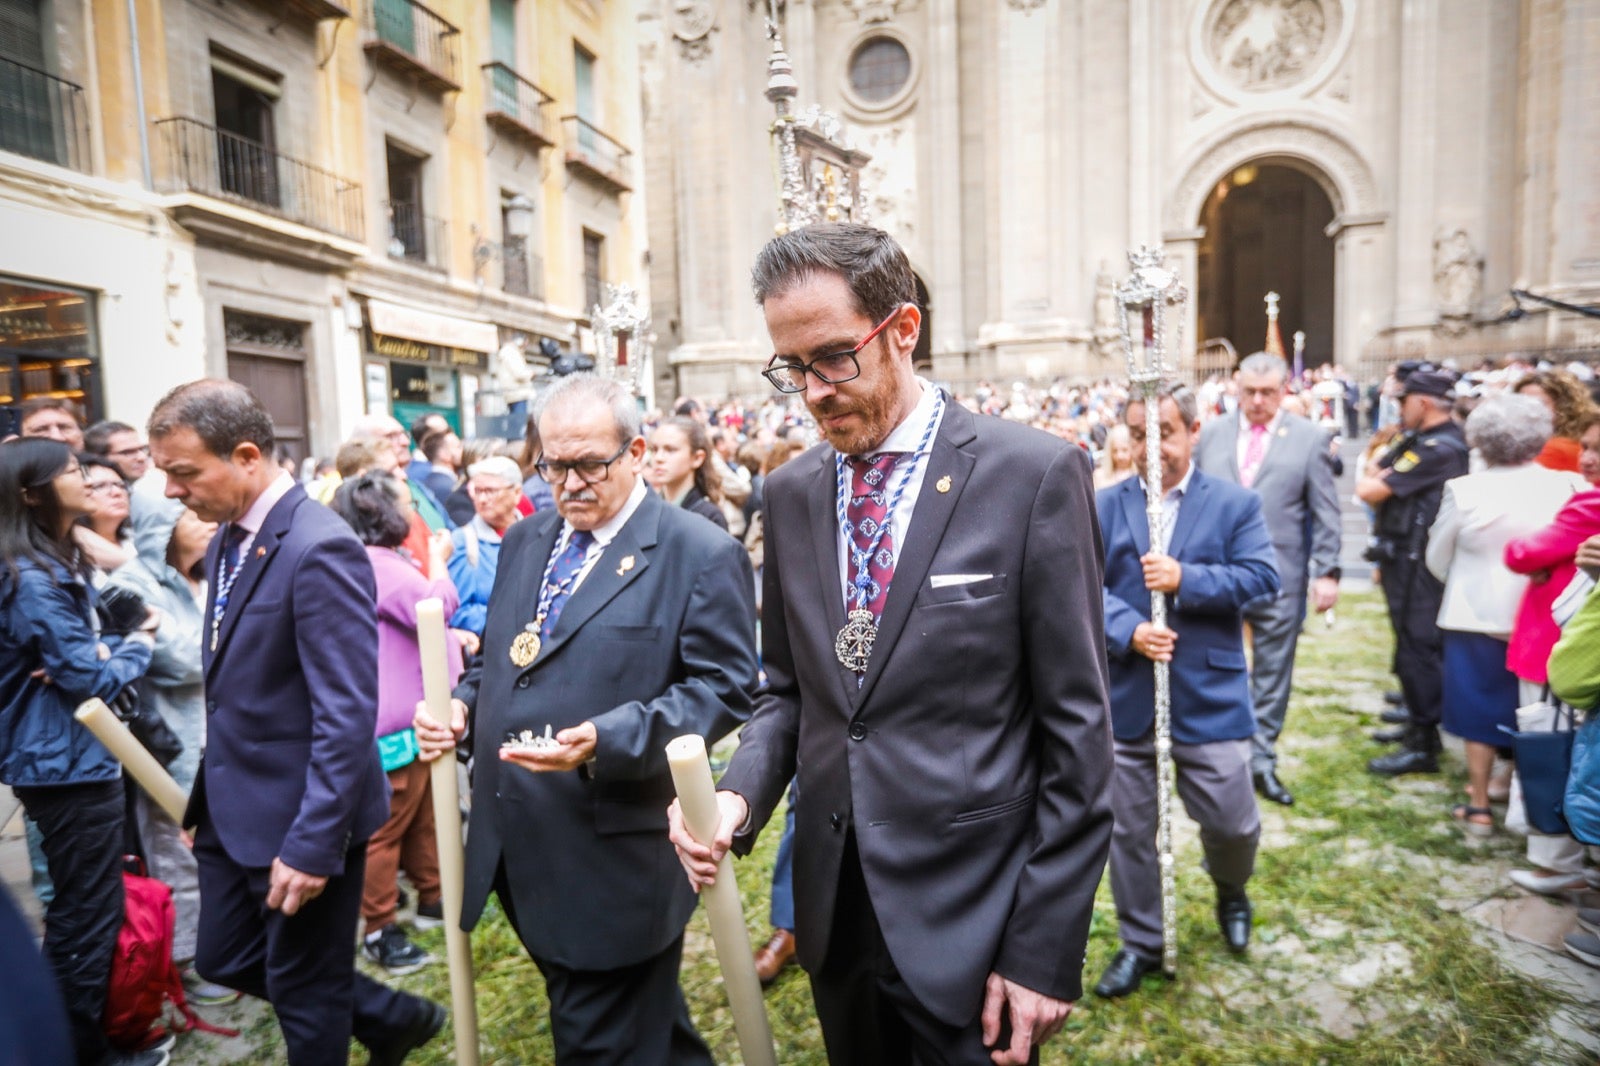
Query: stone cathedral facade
{"points": [[1392, 168]]}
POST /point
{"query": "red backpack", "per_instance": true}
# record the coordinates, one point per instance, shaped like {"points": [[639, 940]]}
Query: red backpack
{"points": [[143, 976]]}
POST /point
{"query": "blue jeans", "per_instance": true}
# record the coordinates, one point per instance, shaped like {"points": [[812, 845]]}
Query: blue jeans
{"points": [[783, 873]]}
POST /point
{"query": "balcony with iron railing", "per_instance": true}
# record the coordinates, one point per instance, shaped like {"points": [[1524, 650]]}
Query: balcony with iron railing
{"points": [[43, 117], [413, 40], [596, 154], [516, 106], [199, 158], [415, 237]]}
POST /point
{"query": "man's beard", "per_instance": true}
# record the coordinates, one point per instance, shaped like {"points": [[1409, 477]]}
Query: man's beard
{"points": [[873, 430]]}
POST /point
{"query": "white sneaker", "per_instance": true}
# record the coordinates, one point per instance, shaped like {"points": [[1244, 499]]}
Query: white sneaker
{"points": [[1548, 884]]}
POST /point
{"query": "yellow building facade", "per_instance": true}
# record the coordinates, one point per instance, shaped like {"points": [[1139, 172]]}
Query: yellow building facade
{"points": [[348, 206]]}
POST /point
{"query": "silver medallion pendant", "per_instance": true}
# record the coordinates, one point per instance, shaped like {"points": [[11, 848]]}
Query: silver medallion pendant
{"points": [[853, 645]]}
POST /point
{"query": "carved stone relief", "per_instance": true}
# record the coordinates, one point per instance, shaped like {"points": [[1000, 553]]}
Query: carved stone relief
{"points": [[1457, 279], [871, 11], [1107, 329], [1027, 7], [889, 181], [693, 22], [1265, 45]]}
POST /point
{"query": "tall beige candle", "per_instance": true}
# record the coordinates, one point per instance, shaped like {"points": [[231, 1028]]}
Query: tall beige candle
{"points": [[691, 775], [134, 757], [431, 637]]}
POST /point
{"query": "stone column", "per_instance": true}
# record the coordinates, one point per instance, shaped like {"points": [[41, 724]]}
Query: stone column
{"points": [[1416, 217]]}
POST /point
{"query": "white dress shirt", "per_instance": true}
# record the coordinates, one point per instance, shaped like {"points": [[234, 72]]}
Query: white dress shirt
{"points": [[604, 534]]}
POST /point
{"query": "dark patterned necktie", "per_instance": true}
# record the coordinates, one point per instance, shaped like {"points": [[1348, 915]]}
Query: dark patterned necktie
{"points": [[562, 575], [867, 511]]}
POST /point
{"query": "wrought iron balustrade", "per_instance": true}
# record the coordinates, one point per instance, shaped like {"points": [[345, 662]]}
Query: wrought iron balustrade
{"points": [[597, 153], [42, 116], [201, 158], [517, 105], [416, 237], [414, 39]]}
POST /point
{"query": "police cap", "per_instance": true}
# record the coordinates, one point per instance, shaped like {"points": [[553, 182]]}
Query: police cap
{"points": [[1429, 380]]}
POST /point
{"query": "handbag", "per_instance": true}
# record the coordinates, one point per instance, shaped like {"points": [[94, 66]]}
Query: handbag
{"points": [[1581, 804], [1543, 761]]}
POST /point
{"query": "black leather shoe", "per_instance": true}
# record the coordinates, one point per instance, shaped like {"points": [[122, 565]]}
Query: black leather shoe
{"points": [[1394, 698], [1392, 735], [1396, 715], [393, 1052], [1233, 918], [1405, 761], [1269, 787], [1124, 974]]}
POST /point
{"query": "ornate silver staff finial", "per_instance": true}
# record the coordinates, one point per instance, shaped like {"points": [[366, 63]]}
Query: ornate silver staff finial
{"points": [[623, 340], [1145, 296]]}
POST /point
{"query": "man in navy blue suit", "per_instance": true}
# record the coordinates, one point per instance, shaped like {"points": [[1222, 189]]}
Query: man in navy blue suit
{"points": [[290, 785], [1218, 558]]}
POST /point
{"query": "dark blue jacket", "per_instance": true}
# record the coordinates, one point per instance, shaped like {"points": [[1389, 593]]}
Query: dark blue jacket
{"points": [[47, 622], [290, 768], [1222, 544]]}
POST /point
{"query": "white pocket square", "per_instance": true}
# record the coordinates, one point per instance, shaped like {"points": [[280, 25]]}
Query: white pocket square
{"points": [[940, 581]]}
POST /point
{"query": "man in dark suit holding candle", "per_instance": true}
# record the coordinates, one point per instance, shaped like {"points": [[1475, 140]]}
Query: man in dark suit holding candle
{"points": [[290, 786], [618, 623], [937, 683]]}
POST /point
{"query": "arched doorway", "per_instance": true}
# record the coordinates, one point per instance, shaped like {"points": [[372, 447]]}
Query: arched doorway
{"points": [[1265, 231], [922, 355]]}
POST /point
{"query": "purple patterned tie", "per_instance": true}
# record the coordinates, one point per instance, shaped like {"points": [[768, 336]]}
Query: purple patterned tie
{"points": [[869, 504]]}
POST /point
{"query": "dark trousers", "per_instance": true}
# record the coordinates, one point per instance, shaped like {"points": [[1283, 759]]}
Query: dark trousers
{"points": [[82, 826], [304, 966], [868, 1015], [631, 1016], [1413, 596]]}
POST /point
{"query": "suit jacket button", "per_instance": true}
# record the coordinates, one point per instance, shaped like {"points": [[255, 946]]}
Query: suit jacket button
{"points": [[523, 682], [835, 821], [858, 731]]}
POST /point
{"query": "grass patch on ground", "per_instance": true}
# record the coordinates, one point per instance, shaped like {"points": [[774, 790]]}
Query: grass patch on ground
{"points": [[1358, 956]]}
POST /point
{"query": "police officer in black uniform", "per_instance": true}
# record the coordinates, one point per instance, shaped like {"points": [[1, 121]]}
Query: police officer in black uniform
{"points": [[1406, 490]]}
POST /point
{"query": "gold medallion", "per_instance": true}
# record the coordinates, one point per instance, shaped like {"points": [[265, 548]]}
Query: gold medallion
{"points": [[525, 648], [943, 484]]}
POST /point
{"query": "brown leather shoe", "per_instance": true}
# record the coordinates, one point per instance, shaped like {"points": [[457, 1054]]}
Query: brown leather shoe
{"points": [[774, 955]]}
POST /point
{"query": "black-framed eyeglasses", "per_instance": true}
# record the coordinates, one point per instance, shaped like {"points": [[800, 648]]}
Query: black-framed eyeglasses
{"points": [[588, 470], [835, 368]]}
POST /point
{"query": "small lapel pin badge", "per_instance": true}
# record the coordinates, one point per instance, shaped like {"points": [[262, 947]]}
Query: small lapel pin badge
{"points": [[943, 484], [260, 552], [625, 565]]}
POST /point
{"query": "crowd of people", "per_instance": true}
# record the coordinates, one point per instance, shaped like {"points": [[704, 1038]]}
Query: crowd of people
{"points": [[961, 753]]}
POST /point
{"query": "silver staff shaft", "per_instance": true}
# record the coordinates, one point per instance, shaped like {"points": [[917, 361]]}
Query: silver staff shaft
{"points": [[1163, 686], [1146, 300]]}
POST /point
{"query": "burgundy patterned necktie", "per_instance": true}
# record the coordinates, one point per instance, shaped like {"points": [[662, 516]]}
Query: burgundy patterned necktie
{"points": [[868, 508]]}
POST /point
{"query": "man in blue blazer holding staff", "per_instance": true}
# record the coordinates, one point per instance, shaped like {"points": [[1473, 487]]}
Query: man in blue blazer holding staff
{"points": [[1218, 557]]}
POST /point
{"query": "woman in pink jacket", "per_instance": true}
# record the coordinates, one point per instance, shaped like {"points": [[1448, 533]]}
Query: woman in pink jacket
{"points": [[1546, 557]]}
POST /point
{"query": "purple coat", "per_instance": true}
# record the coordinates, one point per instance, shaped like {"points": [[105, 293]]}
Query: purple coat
{"points": [[400, 586]]}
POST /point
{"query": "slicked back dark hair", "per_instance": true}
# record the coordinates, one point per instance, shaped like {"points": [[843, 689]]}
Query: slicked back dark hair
{"points": [[368, 504], [223, 414], [870, 262]]}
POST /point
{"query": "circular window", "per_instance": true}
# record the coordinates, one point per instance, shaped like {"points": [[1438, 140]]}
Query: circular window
{"points": [[879, 69]]}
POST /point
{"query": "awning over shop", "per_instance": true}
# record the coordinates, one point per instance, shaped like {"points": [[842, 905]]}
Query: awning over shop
{"points": [[430, 327]]}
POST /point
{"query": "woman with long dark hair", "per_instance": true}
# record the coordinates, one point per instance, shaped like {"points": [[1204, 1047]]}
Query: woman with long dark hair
{"points": [[52, 658], [680, 468]]}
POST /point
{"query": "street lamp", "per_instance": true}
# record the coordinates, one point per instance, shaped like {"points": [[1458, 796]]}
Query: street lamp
{"points": [[517, 215]]}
